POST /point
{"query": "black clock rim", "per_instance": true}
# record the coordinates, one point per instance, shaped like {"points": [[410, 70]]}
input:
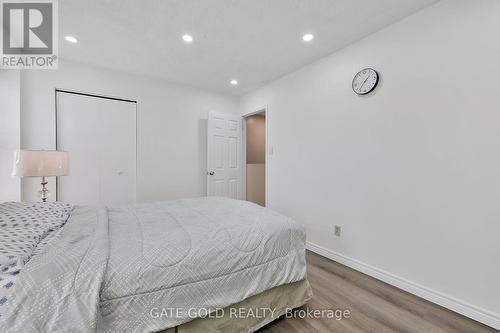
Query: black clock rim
{"points": [[372, 89]]}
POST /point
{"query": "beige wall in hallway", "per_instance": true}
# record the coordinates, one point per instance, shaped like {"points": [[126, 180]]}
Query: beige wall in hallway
{"points": [[256, 156], [256, 139]]}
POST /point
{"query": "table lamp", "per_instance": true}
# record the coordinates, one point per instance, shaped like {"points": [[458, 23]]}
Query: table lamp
{"points": [[40, 163]]}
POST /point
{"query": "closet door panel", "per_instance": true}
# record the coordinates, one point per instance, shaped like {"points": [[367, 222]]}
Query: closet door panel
{"points": [[100, 136], [118, 152]]}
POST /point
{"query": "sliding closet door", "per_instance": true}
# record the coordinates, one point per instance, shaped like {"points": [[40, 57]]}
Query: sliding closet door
{"points": [[100, 136]]}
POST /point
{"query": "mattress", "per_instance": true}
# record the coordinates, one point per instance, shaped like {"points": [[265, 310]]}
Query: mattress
{"points": [[112, 266]]}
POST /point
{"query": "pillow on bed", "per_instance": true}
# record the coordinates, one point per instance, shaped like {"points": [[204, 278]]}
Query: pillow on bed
{"points": [[23, 225], [45, 215], [17, 244]]}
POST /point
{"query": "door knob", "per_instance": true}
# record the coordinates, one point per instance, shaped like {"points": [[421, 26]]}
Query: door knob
{"points": [[119, 172], [211, 173]]}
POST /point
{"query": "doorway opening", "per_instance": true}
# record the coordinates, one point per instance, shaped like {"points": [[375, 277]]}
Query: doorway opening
{"points": [[255, 157]]}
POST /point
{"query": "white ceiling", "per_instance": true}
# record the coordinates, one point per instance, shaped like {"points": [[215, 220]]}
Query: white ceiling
{"points": [[253, 41]]}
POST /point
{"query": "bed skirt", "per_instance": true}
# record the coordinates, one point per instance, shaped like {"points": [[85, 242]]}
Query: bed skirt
{"points": [[279, 299]]}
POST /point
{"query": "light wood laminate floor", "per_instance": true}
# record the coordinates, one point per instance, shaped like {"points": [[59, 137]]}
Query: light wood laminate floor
{"points": [[374, 305]]}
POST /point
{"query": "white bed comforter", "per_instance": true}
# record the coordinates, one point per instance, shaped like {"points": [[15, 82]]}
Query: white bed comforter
{"points": [[116, 269]]}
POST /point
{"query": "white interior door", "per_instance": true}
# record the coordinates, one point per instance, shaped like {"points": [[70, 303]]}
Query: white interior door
{"points": [[100, 136], [224, 155]]}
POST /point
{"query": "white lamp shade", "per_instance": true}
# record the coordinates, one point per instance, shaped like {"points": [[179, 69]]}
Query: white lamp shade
{"points": [[40, 163]]}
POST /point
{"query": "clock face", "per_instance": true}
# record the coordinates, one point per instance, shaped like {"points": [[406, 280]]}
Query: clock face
{"points": [[365, 81]]}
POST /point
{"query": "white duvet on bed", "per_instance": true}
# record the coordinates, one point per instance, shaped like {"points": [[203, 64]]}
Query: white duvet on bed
{"points": [[113, 269], [194, 254]]}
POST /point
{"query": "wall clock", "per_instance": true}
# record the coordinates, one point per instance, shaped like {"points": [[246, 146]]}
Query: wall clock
{"points": [[365, 81]]}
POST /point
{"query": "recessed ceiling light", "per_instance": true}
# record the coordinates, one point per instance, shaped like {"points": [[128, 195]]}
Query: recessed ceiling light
{"points": [[308, 37], [233, 82], [187, 38], [71, 39]]}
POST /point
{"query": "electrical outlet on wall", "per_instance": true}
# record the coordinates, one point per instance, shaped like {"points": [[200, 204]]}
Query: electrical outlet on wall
{"points": [[338, 230]]}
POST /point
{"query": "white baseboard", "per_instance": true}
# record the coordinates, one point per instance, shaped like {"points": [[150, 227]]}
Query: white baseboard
{"points": [[481, 315]]}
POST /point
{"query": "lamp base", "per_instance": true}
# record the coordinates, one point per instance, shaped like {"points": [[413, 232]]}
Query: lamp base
{"points": [[44, 193]]}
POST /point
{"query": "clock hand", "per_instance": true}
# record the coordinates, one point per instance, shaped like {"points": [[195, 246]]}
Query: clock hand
{"points": [[362, 84]]}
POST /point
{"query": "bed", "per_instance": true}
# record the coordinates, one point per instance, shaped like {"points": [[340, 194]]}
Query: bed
{"points": [[176, 266]]}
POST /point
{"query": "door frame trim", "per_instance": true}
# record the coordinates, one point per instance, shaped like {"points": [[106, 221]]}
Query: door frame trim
{"points": [[262, 109], [82, 93], [88, 94]]}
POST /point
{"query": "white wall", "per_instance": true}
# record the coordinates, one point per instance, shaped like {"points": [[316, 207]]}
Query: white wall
{"points": [[171, 134], [10, 136], [412, 171]]}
